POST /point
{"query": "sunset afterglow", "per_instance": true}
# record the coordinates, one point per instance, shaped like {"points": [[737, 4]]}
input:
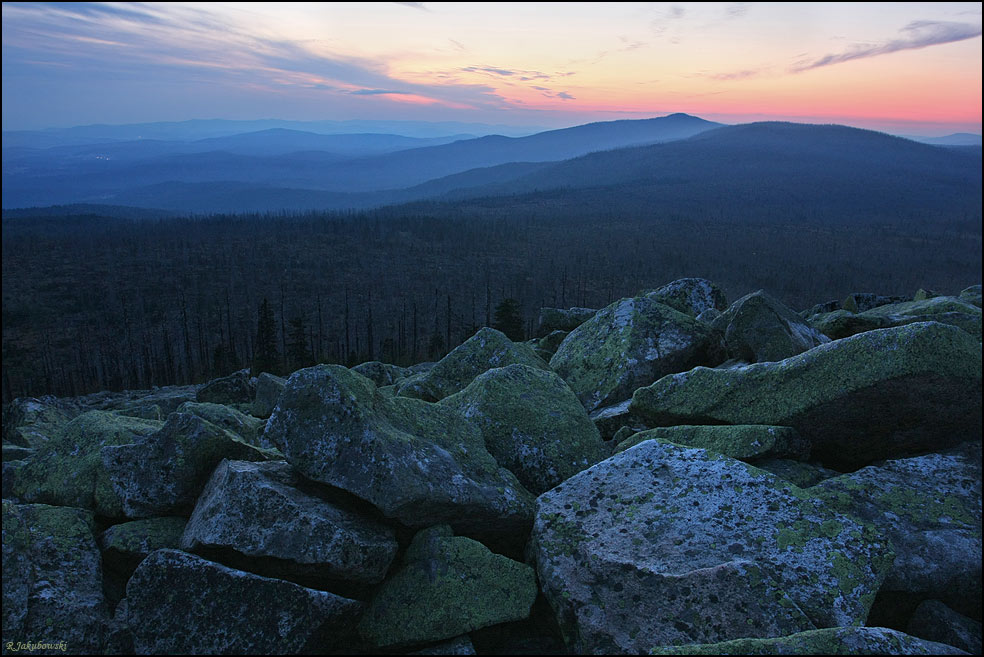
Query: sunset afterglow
{"points": [[909, 67]]}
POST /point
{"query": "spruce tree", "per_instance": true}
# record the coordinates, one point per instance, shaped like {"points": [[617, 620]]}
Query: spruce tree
{"points": [[267, 358], [298, 353], [509, 319]]}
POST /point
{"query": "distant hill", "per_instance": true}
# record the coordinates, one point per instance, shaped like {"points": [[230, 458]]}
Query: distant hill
{"points": [[956, 139], [822, 164], [196, 129], [273, 142], [107, 172]]}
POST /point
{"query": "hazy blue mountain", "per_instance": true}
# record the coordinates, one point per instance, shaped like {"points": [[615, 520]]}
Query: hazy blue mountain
{"points": [[276, 141], [767, 165], [415, 166], [210, 128], [98, 174], [956, 139]]}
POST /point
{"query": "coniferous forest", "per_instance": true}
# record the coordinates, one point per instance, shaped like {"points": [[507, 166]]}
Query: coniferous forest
{"points": [[95, 302]]}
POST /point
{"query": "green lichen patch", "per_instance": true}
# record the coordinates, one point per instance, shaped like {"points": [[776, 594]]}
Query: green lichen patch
{"points": [[447, 586]]}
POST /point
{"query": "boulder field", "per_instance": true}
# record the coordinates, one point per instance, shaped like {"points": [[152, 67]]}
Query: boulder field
{"points": [[669, 474]]}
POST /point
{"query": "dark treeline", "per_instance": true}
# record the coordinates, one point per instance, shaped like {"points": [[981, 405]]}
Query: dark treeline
{"points": [[93, 303]]}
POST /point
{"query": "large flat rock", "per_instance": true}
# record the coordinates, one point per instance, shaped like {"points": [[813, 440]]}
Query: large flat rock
{"points": [[178, 603], [257, 510], [52, 581], [929, 508], [664, 545], [872, 396]]}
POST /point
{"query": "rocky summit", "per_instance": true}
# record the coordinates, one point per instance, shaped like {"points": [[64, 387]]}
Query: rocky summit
{"points": [[669, 474]]}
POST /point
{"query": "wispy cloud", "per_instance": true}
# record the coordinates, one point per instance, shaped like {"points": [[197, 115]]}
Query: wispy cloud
{"points": [[737, 75], [915, 35], [662, 22], [377, 92], [175, 42], [414, 5], [737, 9]]}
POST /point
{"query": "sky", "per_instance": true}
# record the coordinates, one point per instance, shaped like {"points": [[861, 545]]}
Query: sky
{"points": [[905, 68]]}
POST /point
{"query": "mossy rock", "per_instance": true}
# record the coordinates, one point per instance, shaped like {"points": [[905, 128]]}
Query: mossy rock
{"points": [[268, 389], [903, 390], [663, 544], [946, 310], [821, 308], [922, 294], [52, 579], [799, 473], [971, 295], [31, 422], [485, 350], [934, 621], [551, 341], [138, 538], [929, 508], [828, 641], [843, 323], [747, 442], [178, 603], [236, 388], [447, 586], [68, 470], [164, 473], [630, 344], [559, 319], [418, 462], [531, 423], [691, 296], [759, 328], [245, 426], [859, 302], [16, 452], [258, 510], [382, 374], [612, 419]]}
